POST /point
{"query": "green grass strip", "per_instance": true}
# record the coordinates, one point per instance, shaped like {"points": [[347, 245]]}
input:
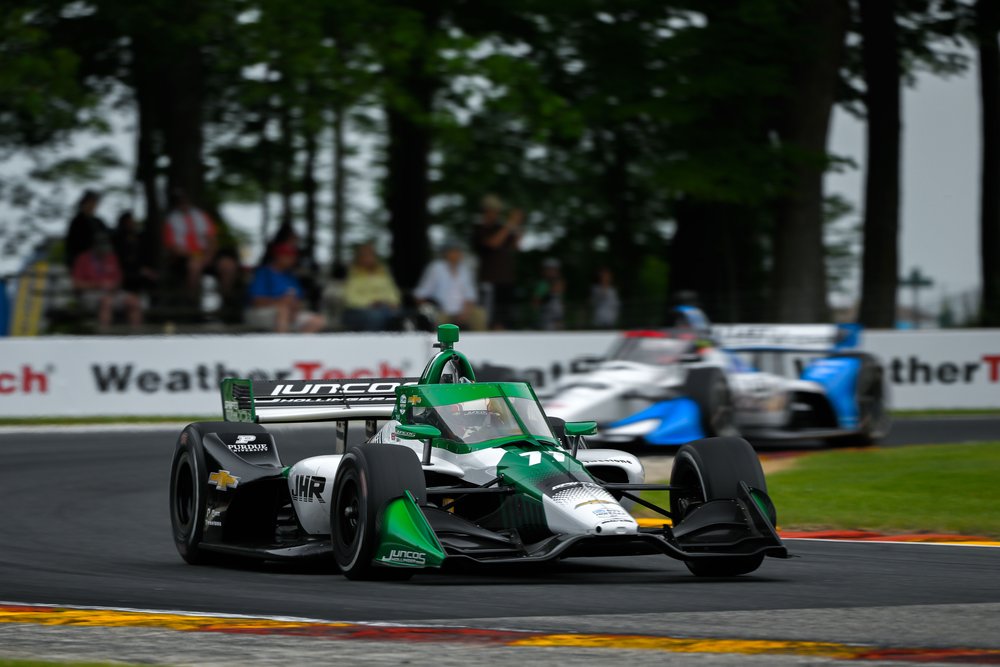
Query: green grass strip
{"points": [[931, 488], [926, 489], [74, 421], [954, 412], [46, 663]]}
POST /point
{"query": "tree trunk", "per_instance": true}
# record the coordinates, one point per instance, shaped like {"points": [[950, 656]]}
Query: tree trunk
{"points": [[987, 26], [407, 190], [339, 185], [287, 152], [183, 119], [309, 192], [714, 260], [799, 271], [407, 186], [145, 84], [624, 250], [880, 259]]}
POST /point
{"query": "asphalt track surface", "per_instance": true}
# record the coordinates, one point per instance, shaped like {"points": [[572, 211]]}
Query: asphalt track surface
{"points": [[85, 522]]}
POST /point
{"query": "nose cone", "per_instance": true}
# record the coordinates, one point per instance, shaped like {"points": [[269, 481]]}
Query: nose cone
{"points": [[584, 508]]}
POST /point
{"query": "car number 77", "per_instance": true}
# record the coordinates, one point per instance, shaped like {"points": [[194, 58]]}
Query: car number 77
{"points": [[534, 458]]}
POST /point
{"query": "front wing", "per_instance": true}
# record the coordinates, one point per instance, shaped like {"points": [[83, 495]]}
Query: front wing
{"points": [[736, 527]]}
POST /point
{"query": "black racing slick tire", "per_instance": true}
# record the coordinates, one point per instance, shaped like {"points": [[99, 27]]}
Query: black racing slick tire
{"points": [[188, 479], [369, 476], [189, 487], [712, 469], [709, 389], [874, 416]]}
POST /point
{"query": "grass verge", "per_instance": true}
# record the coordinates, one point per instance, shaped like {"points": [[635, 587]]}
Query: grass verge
{"points": [[932, 488], [76, 421], [954, 412], [926, 489], [44, 663]]}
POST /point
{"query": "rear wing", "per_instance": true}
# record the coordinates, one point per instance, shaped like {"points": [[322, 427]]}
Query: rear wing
{"points": [[263, 401], [803, 338]]}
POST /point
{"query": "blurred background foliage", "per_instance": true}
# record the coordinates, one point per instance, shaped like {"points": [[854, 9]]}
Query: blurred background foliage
{"points": [[681, 143]]}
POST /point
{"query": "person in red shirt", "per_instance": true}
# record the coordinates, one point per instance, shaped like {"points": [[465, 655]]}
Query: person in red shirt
{"points": [[97, 277]]}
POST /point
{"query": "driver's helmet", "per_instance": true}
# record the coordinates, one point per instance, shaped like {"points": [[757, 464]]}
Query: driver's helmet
{"points": [[458, 423]]}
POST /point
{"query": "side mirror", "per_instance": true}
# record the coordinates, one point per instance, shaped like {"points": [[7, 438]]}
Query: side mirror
{"points": [[575, 432], [581, 428], [424, 432], [417, 431]]}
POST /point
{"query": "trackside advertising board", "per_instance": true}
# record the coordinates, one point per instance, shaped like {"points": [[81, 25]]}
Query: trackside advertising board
{"points": [[943, 369], [179, 375]]}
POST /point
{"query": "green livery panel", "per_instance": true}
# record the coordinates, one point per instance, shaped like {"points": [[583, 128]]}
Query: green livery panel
{"points": [[237, 400], [405, 537]]}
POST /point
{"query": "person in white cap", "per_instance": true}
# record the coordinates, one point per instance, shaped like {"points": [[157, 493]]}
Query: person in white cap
{"points": [[447, 282]]}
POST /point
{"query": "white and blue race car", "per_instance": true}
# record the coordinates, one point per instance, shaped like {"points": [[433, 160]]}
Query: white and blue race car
{"points": [[764, 382]]}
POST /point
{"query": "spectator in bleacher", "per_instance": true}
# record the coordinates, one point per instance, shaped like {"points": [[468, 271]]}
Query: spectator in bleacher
{"points": [[137, 274], [306, 270], [191, 239], [371, 298], [97, 277], [496, 243], [447, 283], [548, 296], [276, 296], [84, 228], [604, 302]]}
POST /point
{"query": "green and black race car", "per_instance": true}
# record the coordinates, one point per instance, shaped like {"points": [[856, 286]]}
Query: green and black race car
{"points": [[452, 470]]}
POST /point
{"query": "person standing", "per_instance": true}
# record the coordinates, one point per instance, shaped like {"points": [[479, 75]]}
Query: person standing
{"points": [[137, 275], [84, 228], [548, 296], [496, 244], [191, 240], [604, 302]]}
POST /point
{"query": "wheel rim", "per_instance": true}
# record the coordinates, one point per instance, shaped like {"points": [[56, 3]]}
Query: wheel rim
{"points": [[721, 420], [875, 418], [348, 521], [690, 494]]}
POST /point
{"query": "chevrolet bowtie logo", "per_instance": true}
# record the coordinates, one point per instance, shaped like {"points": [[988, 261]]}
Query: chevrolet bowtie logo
{"points": [[223, 480], [414, 399]]}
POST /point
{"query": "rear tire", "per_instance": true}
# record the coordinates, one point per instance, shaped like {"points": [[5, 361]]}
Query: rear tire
{"points": [[368, 477], [188, 478], [712, 469], [189, 487]]}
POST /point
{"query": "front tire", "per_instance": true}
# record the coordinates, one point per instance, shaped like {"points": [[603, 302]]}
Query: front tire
{"points": [[368, 477], [712, 469], [709, 389], [874, 416]]}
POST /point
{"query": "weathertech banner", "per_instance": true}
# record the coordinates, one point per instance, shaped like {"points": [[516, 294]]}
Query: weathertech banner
{"points": [[180, 375], [948, 368]]}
